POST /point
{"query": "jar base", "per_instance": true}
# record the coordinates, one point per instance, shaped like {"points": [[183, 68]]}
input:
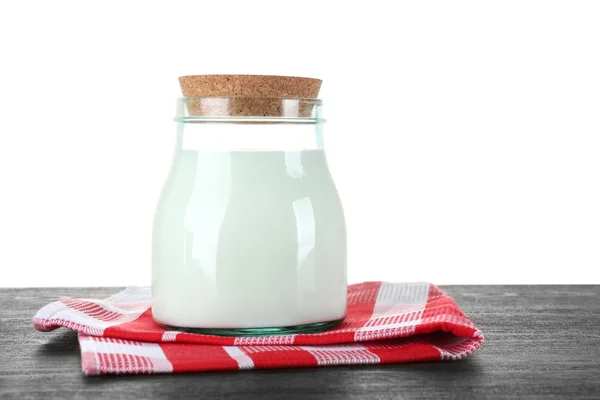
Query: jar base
{"points": [[245, 332]]}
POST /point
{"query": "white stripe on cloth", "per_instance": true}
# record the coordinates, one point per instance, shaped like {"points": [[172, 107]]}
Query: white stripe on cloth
{"points": [[92, 317], [112, 346], [264, 340], [50, 310], [243, 360], [95, 325], [398, 310], [123, 356], [169, 336], [342, 354]]}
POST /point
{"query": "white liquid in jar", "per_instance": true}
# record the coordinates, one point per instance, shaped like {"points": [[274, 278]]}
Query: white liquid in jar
{"points": [[249, 239]]}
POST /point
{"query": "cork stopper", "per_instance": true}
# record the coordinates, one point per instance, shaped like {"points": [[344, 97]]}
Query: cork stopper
{"points": [[248, 95]]}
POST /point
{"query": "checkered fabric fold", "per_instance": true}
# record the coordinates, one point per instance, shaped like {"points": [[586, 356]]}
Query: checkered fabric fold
{"points": [[386, 323]]}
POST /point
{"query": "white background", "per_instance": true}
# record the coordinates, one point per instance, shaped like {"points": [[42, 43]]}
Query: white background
{"points": [[463, 136]]}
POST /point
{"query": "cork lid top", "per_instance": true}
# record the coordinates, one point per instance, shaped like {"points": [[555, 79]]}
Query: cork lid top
{"points": [[250, 86], [248, 95]]}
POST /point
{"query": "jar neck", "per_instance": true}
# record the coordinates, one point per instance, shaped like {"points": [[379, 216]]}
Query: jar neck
{"points": [[243, 136]]}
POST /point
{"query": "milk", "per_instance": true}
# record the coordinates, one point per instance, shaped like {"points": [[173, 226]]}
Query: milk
{"points": [[249, 239]]}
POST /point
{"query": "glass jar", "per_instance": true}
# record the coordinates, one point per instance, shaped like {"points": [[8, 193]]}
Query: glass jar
{"points": [[249, 235]]}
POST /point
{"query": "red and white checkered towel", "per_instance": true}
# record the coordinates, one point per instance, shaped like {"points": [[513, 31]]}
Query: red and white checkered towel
{"points": [[386, 323]]}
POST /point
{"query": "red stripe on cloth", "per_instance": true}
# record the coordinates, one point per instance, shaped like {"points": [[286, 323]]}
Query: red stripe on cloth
{"points": [[185, 337], [144, 328], [193, 357], [361, 302], [279, 357], [399, 351]]}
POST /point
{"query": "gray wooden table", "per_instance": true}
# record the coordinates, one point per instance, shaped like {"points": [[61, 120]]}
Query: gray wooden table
{"points": [[542, 342]]}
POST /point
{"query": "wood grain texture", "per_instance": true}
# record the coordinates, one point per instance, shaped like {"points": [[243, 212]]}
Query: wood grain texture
{"points": [[542, 342]]}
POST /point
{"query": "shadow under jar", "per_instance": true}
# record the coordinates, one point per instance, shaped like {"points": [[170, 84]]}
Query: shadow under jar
{"points": [[249, 235]]}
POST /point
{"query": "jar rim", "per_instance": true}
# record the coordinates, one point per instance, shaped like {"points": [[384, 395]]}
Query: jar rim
{"points": [[195, 107]]}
